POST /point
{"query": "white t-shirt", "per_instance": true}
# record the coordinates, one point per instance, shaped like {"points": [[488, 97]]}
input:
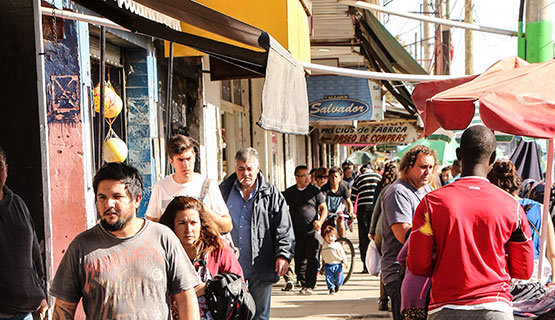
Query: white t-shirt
{"points": [[166, 189]]}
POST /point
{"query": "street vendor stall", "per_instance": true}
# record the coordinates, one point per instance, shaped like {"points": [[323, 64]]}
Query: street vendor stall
{"points": [[514, 97]]}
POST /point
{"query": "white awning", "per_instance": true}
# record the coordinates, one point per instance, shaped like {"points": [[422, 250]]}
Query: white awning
{"points": [[148, 13]]}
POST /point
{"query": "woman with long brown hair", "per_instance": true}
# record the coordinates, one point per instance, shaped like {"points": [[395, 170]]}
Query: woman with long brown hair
{"points": [[503, 174], [199, 235]]}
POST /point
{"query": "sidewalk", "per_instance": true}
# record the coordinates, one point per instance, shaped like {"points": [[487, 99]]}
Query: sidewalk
{"points": [[358, 299]]}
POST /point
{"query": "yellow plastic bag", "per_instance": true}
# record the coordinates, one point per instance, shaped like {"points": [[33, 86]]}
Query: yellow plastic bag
{"points": [[112, 102]]}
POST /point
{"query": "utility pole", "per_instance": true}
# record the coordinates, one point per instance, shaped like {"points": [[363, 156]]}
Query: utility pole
{"points": [[539, 31], [468, 38], [443, 40], [427, 32]]}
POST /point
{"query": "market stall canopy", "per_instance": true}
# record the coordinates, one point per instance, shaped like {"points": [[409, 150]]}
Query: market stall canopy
{"points": [[360, 157], [514, 97], [386, 54], [257, 55]]}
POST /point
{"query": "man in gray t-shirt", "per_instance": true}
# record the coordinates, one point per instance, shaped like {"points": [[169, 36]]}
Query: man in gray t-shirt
{"points": [[398, 205], [125, 267]]}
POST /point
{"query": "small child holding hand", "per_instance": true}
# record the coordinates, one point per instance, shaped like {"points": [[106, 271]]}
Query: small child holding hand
{"points": [[333, 257]]}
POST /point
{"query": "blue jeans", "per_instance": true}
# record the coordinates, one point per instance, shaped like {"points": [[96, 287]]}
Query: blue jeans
{"points": [[334, 275], [22, 316], [262, 295], [392, 290]]}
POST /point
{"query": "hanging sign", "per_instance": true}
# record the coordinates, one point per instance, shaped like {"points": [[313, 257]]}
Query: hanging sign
{"points": [[338, 98], [401, 132], [338, 108]]}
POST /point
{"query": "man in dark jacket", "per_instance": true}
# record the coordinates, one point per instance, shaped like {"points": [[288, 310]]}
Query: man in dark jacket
{"points": [[262, 228], [22, 280]]}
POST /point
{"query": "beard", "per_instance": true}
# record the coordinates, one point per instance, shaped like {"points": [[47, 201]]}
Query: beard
{"points": [[115, 226]]}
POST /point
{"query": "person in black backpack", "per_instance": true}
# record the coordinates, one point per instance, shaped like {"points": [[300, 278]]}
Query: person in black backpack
{"points": [[209, 253], [228, 298]]}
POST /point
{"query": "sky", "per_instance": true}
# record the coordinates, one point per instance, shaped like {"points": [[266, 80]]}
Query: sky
{"points": [[488, 47]]}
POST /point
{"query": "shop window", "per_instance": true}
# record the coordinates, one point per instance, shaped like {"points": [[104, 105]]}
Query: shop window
{"points": [[226, 90], [232, 91]]}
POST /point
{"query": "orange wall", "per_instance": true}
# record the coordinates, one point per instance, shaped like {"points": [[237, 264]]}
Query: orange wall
{"points": [[67, 189]]}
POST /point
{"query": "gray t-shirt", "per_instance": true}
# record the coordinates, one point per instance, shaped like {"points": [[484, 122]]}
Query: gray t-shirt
{"points": [[398, 205], [124, 278]]}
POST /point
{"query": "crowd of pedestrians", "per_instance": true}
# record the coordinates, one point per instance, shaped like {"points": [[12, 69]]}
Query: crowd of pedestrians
{"points": [[450, 241]]}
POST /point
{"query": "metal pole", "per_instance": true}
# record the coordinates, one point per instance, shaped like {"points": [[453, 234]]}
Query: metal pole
{"points": [[101, 124], [372, 74], [468, 38], [66, 14], [445, 22], [546, 196], [169, 101], [539, 31], [43, 121], [521, 37]]}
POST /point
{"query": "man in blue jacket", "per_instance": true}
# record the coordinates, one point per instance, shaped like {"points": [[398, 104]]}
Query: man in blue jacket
{"points": [[262, 228]]}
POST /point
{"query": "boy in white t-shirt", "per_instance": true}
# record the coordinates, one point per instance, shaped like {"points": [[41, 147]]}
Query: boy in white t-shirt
{"points": [[186, 182]]}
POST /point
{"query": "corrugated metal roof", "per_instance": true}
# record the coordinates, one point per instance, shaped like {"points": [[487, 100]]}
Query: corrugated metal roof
{"points": [[331, 21], [333, 34]]}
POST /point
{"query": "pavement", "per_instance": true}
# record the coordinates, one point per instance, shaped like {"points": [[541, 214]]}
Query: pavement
{"points": [[357, 299]]}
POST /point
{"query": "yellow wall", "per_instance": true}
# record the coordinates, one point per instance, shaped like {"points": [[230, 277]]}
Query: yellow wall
{"points": [[298, 31], [285, 20]]}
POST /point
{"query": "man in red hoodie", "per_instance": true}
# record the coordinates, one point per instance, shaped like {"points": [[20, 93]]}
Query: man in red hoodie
{"points": [[471, 238]]}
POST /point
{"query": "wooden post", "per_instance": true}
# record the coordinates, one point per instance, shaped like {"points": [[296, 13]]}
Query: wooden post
{"points": [[468, 38], [443, 41], [427, 35]]}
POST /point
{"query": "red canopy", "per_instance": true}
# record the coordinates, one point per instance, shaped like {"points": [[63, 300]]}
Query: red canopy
{"points": [[515, 97]]}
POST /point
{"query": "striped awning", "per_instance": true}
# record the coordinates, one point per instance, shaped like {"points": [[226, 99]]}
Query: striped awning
{"points": [[150, 14]]}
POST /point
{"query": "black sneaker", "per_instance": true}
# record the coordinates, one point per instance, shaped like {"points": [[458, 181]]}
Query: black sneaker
{"points": [[382, 305], [288, 286], [332, 291], [336, 288]]}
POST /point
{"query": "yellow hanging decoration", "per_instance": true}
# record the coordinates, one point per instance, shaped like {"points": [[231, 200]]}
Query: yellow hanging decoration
{"points": [[115, 149], [112, 102]]}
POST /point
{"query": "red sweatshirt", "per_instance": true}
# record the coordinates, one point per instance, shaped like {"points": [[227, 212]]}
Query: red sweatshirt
{"points": [[460, 237]]}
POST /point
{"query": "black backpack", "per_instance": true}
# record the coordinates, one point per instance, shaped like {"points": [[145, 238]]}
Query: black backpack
{"points": [[228, 298]]}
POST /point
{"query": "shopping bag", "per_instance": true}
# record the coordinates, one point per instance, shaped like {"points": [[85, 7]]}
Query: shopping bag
{"points": [[372, 259]]}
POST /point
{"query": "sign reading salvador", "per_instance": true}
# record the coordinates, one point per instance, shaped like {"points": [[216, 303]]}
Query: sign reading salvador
{"points": [[342, 109], [338, 98], [400, 132]]}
